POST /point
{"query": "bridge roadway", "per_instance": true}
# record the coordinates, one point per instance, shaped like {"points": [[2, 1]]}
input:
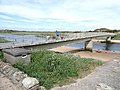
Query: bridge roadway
{"points": [[47, 44]]}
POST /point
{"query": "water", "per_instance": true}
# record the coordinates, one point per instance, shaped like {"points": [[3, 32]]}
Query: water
{"points": [[98, 46], [20, 38], [109, 46]]}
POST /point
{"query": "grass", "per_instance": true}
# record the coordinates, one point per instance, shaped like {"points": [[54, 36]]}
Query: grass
{"points": [[117, 37], [1, 55], [2, 40], [101, 38], [53, 69]]}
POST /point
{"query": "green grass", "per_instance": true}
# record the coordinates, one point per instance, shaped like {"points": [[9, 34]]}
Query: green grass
{"points": [[1, 55], [2, 40], [53, 69], [117, 37]]}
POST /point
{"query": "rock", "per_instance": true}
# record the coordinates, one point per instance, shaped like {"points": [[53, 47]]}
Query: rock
{"points": [[102, 86], [29, 82], [116, 60], [18, 75], [116, 69], [42, 88]]}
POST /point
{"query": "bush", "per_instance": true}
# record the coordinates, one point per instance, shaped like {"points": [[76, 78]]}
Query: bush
{"points": [[52, 68]]}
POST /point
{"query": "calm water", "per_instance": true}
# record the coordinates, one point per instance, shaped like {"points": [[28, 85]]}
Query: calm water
{"points": [[20, 38], [98, 46]]}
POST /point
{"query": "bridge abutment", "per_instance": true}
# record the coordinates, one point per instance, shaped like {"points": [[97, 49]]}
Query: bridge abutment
{"points": [[88, 45]]}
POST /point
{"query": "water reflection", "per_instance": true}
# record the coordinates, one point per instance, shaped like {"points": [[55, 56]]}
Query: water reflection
{"points": [[108, 45]]}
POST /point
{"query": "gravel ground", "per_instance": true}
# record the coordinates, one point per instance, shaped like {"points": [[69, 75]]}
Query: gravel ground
{"points": [[105, 77]]}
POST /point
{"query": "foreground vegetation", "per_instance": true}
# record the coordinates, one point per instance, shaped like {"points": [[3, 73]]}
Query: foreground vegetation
{"points": [[2, 40], [57, 69], [1, 55]]}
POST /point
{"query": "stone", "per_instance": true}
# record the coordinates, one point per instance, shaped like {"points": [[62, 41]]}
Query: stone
{"points": [[116, 69], [42, 88], [18, 75], [29, 82], [116, 60], [102, 86], [11, 72]]}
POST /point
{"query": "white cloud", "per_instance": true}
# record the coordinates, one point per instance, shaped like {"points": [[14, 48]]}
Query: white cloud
{"points": [[21, 11], [100, 13], [6, 17]]}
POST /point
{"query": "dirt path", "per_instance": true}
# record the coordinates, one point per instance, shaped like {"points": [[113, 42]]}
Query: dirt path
{"points": [[106, 77]]}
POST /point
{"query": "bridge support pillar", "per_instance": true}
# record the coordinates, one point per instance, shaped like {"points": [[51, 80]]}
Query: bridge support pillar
{"points": [[108, 38], [88, 45]]}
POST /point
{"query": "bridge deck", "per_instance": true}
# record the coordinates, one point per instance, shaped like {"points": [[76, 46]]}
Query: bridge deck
{"points": [[71, 38]]}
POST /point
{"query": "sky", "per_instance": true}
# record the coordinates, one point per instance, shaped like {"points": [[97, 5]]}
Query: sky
{"points": [[63, 15]]}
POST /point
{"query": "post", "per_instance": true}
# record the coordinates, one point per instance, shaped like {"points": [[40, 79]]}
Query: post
{"points": [[88, 45], [108, 40]]}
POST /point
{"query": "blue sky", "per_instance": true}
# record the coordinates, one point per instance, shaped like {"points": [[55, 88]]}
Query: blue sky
{"points": [[63, 15]]}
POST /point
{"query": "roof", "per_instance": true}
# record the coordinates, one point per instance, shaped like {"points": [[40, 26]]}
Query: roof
{"points": [[16, 51]]}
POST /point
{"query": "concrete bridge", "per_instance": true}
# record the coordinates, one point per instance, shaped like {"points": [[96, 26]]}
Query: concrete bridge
{"points": [[68, 39]]}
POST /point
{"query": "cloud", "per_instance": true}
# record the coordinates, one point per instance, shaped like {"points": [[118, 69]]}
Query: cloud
{"points": [[5, 18], [65, 14]]}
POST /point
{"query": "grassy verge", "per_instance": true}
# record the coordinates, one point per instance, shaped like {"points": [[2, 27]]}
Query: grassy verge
{"points": [[57, 69], [101, 38], [2, 40], [117, 37]]}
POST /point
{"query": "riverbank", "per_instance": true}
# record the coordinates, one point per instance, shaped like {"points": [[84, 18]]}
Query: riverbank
{"points": [[103, 55]]}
